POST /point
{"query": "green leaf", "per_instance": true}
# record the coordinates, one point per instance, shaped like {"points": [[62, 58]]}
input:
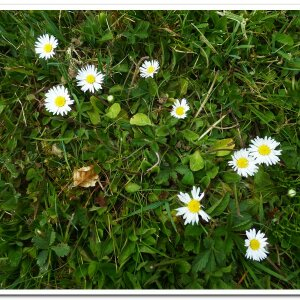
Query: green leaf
{"points": [[127, 251], [221, 146], [15, 256], [193, 231], [115, 89], [284, 39], [40, 243], [42, 257], [11, 168], [97, 106], [211, 264], [213, 172], [94, 117], [184, 84], [228, 245], [162, 177], [162, 130], [93, 267], [2, 106], [262, 179], [189, 135], [265, 116], [196, 161], [140, 119], [132, 187], [188, 178], [61, 249], [113, 111], [152, 87], [189, 245], [167, 207], [107, 37], [183, 267], [146, 249], [141, 30], [217, 208], [201, 261], [132, 281], [242, 222], [230, 177], [52, 238]]}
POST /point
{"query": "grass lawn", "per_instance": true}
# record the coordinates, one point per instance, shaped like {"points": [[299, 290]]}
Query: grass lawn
{"points": [[89, 198]]}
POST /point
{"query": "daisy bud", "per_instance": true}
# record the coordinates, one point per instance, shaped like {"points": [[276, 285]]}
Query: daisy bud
{"points": [[110, 98], [291, 193]]}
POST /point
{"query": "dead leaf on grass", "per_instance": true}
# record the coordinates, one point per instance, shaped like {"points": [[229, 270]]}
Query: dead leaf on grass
{"points": [[85, 177]]}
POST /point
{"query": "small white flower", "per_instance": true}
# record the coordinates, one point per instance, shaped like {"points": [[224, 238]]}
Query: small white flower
{"points": [[263, 150], [179, 109], [45, 45], [243, 163], [256, 243], [149, 68], [58, 100], [193, 207], [89, 79]]}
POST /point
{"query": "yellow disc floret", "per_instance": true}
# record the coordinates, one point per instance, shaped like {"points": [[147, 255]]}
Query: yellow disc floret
{"points": [[90, 79], [60, 101], [242, 162], [150, 69], [194, 206], [48, 48], [254, 244], [179, 111], [264, 150]]}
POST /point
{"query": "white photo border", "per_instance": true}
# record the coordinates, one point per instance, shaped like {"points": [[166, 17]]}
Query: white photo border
{"points": [[110, 5]]}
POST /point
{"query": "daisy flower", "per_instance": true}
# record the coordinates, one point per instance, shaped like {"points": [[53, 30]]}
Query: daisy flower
{"points": [[179, 109], [256, 243], [263, 150], [149, 68], [58, 100], [243, 163], [45, 45], [89, 79], [193, 207]]}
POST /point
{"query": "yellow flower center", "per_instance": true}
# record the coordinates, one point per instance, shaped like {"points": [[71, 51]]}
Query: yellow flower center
{"points": [[150, 69], [254, 244], [180, 111], [264, 150], [242, 162], [48, 48], [194, 206], [90, 79], [60, 101]]}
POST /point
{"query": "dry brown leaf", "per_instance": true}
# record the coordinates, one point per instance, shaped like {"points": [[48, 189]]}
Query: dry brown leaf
{"points": [[85, 177], [101, 201]]}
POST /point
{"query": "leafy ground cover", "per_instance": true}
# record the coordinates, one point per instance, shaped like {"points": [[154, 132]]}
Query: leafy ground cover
{"points": [[239, 72]]}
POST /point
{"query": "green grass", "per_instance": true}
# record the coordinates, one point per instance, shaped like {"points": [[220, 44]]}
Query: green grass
{"points": [[240, 73]]}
